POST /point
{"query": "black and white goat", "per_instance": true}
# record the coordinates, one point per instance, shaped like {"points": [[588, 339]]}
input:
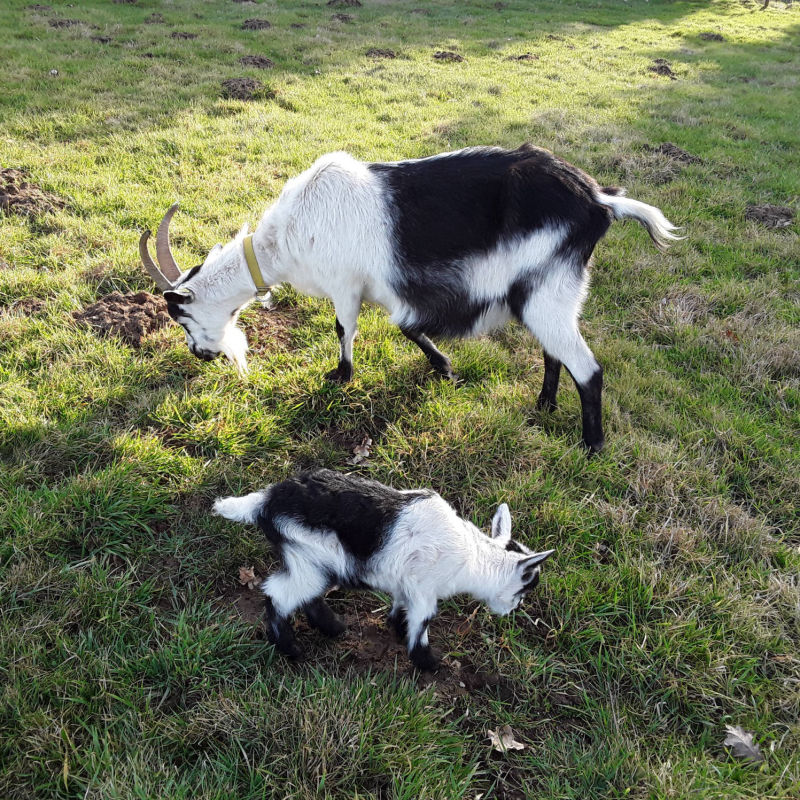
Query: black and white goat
{"points": [[453, 245], [334, 529]]}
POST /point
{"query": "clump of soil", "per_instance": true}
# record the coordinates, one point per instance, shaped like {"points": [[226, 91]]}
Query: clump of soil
{"points": [[243, 89], [377, 52], [297, 25], [270, 330], [770, 216], [342, 17], [523, 57], [28, 306], [423, 12], [257, 61], [345, 3], [256, 24], [101, 39], [39, 7], [129, 316], [712, 37], [670, 150], [154, 18], [182, 35], [447, 55], [662, 67], [19, 196], [60, 22]]}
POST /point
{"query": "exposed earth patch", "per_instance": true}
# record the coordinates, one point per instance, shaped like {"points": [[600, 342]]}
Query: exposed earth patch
{"points": [[670, 150], [270, 330], [342, 18], [244, 89], [28, 306], [131, 317], [661, 66], [154, 18], [770, 216], [712, 37], [60, 22], [523, 57], [256, 24], [377, 52], [257, 61], [345, 3], [447, 55], [20, 196], [182, 35]]}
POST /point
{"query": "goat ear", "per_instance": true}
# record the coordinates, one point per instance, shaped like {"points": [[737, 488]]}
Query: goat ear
{"points": [[501, 525], [181, 296], [529, 563]]}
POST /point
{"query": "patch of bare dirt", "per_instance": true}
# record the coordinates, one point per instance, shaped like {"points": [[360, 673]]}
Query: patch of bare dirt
{"points": [[243, 89], [39, 7], [661, 66], [182, 35], [712, 37], [256, 24], [670, 150], [270, 329], [770, 216], [423, 12], [154, 18], [27, 306], [345, 3], [101, 39], [377, 52], [61, 22], [126, 2], [447, 55], [523, 57], [131, 317], [345, 18], [297, 25], [20, 196], [262, 62]]}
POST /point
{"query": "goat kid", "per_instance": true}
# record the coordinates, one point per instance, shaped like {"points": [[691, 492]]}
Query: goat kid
{"points": [[333, 529], [454, 245]]}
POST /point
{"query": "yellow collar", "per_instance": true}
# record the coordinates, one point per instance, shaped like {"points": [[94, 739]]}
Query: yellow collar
{"points": [[252, 264]]}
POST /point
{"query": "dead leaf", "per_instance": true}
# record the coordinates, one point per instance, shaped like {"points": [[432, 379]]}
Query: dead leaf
{"points": [[503, 739], [742, 744], [247, 577], [361, 451]]}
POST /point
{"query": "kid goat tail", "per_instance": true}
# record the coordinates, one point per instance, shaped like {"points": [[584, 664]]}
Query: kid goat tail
{"points": [[657, 225], [241, 509]]}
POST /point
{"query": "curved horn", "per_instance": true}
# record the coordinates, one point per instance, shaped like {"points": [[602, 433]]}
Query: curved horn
{"points": [[163, 252], [147, 262]]}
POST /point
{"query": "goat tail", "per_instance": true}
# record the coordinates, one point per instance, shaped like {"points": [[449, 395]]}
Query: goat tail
{"points": [[241, 509], [657, 225]]}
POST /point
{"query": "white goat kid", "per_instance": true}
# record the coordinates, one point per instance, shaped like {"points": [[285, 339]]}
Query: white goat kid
{"points": [[334, 529], [453, 245]]}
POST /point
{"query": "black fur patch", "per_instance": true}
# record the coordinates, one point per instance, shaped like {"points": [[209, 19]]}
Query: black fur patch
{"points": [[449, 207], [357, 510], [514, 547]]}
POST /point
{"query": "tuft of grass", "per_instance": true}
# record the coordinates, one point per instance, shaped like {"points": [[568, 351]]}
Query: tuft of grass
{"points": [[130, 665]]}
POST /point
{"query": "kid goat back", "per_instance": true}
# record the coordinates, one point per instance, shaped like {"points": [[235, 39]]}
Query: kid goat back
{"points": [[453, 245], [333, 529]]}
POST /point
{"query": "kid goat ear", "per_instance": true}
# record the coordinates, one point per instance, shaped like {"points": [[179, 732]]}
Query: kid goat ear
{"points": [[527, 565], [501, 525]]}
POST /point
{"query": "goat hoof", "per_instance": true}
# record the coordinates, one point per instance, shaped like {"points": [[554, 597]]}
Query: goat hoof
{"points": [[593, 448], [340, 375], [425, 660], [545, 404], [333, 628]]}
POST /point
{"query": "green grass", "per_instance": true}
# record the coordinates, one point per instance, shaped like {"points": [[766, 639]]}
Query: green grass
{"points": [[671, 606]]}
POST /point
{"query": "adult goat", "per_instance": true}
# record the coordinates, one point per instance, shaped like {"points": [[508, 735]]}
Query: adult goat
{"points": [[453, 245]]}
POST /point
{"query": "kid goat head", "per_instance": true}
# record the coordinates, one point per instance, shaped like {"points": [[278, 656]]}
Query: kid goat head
{"points": [[333, 529], [454, 245]]}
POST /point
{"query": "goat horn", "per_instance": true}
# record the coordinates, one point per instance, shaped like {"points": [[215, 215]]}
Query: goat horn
{"points": [[163, 252], [147, 262]]}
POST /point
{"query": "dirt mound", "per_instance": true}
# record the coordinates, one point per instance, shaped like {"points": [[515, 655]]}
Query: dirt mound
{"points": [[670, 150], [60, 22], [447, 55], [19, 196], [154, 18], [661, 66], [257, 61], [377, 52], [28, 306], [129, 316], [256, 24], [101, 39], [342, 17], [523, 57], [712, 37], [39, 7], [243, 89], [769, 215], [182, 35], [270, 330], [345, 3]]}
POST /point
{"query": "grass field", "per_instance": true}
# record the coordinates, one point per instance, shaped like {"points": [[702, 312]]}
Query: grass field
{"points": [[131, 662]]}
